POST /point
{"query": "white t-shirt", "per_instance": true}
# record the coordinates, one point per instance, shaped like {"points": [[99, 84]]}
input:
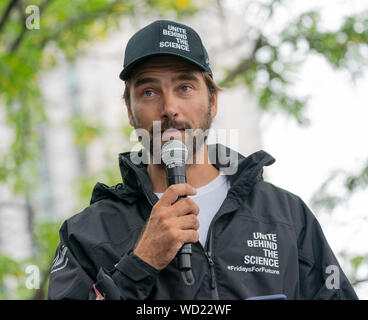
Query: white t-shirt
{"points": [[209, 199]]}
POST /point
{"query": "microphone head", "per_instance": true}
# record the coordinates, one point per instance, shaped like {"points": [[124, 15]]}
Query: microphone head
{"points": [[174, 152]]}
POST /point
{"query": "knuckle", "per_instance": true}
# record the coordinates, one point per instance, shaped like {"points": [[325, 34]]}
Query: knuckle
{"points": [[173, 188], [194, 219], [173, 235], [189, 187], [165, 216], [197, 224], [155, 208], [161, 216], [196, 209], [188, 201], [165, 224]]}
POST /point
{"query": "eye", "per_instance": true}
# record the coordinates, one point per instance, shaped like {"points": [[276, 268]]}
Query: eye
{"points": [[148, 93], [185, 88]]}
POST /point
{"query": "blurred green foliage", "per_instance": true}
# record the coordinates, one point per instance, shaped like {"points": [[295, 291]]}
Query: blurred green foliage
{"points": [[66, 28], [270, 69], [13, 272], [352, 182], [358, 265]]}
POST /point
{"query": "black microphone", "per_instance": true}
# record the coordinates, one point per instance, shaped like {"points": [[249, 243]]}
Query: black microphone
{"points": [[174, 153]]}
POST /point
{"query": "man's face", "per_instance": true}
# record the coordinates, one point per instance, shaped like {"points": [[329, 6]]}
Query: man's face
{"points": [[169, 91]]}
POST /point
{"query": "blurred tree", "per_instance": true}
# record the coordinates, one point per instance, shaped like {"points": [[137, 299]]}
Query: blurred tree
{"points": [[271, 67], [274, 60], [32, 34], [13, 271]]}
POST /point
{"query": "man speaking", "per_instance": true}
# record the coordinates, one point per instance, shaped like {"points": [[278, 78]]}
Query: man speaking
{"points": [[189, 220]]}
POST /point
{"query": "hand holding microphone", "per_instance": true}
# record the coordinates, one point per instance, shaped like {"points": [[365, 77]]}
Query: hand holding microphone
{"points": [[173, 221]]}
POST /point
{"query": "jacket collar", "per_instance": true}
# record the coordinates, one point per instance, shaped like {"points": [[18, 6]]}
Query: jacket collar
{"points": [[245, 172]]}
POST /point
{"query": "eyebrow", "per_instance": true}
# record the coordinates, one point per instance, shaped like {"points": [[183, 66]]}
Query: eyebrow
{"points": [[143, 81], [187, 77], [180, 77]]}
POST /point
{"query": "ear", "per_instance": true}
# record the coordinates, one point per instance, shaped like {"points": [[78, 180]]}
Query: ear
{"points": [[213, 104], [130, 116], [126, 98]]}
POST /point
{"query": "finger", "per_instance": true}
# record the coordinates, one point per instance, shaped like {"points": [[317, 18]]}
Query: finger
{"points": [[174, 191], [189, 236], [189, 221], [185, 206]]}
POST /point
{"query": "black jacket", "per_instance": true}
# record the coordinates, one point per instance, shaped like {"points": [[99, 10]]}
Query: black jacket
{"points": [[262, 241]]}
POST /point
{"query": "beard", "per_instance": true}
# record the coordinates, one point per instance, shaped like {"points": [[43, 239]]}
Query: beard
{"points": [[194, 138]]}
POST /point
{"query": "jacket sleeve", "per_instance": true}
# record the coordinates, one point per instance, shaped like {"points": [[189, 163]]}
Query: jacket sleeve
{"points": [[320, 274], [68, 279], [130, 279]]}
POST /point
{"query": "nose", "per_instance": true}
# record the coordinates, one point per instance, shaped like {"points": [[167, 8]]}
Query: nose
{"points": [[170, 108]]}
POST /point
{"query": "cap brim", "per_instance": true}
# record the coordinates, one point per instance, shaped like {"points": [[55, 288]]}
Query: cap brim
{"points": [[124, 75]]}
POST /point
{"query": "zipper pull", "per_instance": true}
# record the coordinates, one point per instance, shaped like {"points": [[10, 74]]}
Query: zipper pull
{"points": [[212, 264]]}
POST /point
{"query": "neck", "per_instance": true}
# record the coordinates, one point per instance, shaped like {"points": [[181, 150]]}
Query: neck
{"points": [[198, 175]]}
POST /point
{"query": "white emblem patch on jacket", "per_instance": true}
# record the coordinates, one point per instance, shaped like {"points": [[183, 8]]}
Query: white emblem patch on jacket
{"points": [[60, 260]]}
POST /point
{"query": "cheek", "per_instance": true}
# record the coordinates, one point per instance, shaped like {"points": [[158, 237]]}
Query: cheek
{"points": [[199, 110], [144, 117]]}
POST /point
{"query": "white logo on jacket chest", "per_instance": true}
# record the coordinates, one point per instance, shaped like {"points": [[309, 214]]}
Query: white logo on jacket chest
{"points": [[264, 257]]}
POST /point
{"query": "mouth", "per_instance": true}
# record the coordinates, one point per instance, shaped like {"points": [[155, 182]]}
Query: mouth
{"points": [[172, 133], [172, 129]]}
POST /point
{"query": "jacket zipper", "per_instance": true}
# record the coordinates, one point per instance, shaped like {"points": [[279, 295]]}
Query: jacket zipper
{"points": [[208, 254]]}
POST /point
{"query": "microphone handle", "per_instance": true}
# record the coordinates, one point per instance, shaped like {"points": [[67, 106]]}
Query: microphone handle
{"points": [[176, 174]]}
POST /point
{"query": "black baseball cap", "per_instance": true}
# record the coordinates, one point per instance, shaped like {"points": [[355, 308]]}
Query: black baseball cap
{"points": [[164, 37]]}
